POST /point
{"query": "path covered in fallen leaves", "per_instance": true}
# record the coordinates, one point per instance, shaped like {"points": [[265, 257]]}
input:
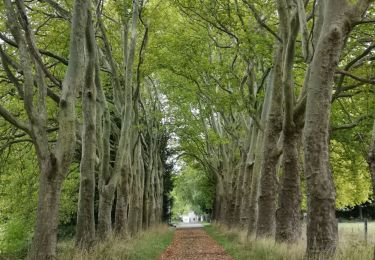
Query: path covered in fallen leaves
{"points": [[194, 243]]}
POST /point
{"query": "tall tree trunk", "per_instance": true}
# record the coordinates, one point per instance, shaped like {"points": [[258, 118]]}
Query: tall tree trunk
{"points": [[268, 178], [254, 161], [58, 162], [106, 197], [85, 229], [239, 190], [123, 194], [247, 178], [229, 198], [219, 199], [288, 214], [45, 234], [322, 225], [104, 153]]}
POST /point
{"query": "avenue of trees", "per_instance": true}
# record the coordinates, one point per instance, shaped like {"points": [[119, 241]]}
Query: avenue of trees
{"points": [[268, 106]]}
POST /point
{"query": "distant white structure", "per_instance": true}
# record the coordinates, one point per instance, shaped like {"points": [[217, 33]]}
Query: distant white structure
{"points": [[191, 217]]}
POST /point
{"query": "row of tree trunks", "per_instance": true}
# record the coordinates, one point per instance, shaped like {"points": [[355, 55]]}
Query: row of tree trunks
{"points": [[269, 208]]}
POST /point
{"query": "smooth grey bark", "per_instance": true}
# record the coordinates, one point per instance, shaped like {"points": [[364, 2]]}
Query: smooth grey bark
{"points": [[45, 234], [123, 192], [104, 154], [239, 187], [339, 17], [288, 217], [247, 178], [147, 187], [85, 228], [224, 172], [255, 158], [265, 226]]}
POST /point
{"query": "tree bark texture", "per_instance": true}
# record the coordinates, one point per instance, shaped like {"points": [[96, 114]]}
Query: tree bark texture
{"points": [[322, 224], [268, 179], [85, 229]]}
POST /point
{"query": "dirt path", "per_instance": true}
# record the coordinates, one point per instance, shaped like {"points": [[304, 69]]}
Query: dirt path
{"points": [[193, 244]]}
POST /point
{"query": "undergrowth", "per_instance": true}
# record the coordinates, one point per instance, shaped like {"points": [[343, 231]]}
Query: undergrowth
{"points": [[147, 245]]}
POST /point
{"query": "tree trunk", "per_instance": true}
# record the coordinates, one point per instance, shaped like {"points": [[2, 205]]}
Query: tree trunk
{"points": [[371, 163], [339, 17], [254, 161], [247, 179], [268, 178], [85, 228], [123, 194], [47, 218], [239, 190], [219, 199], [288, 215], [106, 197], [55, 166], [229, 198], [322, 224]]}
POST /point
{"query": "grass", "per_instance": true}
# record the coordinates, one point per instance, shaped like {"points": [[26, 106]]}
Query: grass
{"points": [[351, 244], [147, 245]]}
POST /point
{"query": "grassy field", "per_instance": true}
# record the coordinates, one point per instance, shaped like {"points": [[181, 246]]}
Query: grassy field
{"points": [[352, 245], [146, 246]]}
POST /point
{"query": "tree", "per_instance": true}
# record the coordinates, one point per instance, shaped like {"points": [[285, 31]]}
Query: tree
{"points": [[54, 163], [338, 20]]}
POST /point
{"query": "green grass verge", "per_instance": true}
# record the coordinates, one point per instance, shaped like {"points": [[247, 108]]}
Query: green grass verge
{"points": [[235, 244], [146, 246]]}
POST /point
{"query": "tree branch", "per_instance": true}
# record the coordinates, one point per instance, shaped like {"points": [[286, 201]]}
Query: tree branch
{"points": [[44, 52], [346, 73], [350, 125], [59, 9], [260, 21], [13, 120]]}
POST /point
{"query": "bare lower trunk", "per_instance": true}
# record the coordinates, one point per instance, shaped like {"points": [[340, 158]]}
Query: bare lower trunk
{"points": [[338, 17], [121, 215], [245, 201], [288, 215], [122, 203], [106, 198], [47, 219], [322, 224], [219, 200], [85, 229], [229, 200], [247, 179], [239, 191], [54, 166], [268, 179]]}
